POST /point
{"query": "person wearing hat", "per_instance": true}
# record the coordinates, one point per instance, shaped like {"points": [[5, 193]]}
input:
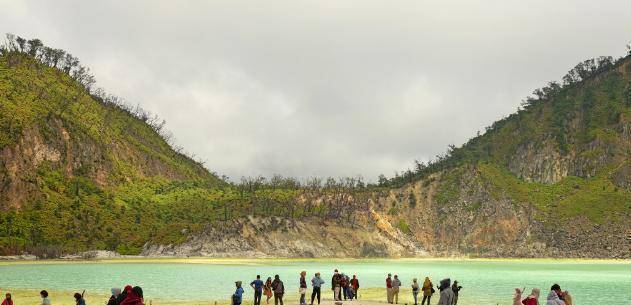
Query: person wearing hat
{"points": [[455, 288], [237, 297]]}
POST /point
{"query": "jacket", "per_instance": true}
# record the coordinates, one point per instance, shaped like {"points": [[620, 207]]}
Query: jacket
{"points": [[427, 289], [553, 299], [335, 280], [447, 297], [396, 283], [529, 301], [278, 287], [317, 281], [239, 294]]}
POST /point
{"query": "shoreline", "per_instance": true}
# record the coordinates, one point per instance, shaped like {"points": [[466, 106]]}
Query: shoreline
{"points": [[280, 260], [368, 296]]}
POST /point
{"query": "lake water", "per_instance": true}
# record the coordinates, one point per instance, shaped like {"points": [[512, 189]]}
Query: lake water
{"points": [[484, 282]]}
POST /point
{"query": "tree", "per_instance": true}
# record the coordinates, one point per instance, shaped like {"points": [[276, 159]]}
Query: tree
{"points": [[21, 43], [34, 46]]}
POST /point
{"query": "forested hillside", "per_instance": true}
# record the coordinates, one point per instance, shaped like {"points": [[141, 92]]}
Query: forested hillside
{"points": [[82, 170]]}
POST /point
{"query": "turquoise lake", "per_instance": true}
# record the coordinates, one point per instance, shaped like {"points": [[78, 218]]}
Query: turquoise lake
{"points": [[484, 282]]}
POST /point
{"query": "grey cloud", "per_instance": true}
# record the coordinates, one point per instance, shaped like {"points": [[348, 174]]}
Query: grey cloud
{"points": [[325, 88]]}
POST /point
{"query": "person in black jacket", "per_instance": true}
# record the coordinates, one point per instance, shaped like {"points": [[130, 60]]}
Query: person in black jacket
{"points": [[455, 288], [115, 293]]}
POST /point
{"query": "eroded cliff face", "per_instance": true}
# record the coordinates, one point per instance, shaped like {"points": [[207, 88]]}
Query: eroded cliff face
{"points": [[74, 153], [280, 237], [474, 220]]}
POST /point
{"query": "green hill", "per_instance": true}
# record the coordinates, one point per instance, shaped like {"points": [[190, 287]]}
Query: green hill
{"points": [[80, 170]]}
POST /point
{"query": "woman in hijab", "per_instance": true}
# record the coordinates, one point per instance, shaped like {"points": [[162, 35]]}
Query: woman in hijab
{"points": [[428, 290], [533, 298], [135, 297], [45, 299], [7, 299], [123, 296], [115, 293]]}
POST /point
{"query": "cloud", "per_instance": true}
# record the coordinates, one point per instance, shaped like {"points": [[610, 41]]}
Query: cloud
{"points": [[324, 88]]}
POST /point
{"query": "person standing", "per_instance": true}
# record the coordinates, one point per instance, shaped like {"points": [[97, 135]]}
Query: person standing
{"points": [[533, 298], [355, 285], [44, 295], [415, 290], [567, 298], [455, 288], [7, 299], [389, 288], [257, 285], [279, 290], [316, 282], [126, 291], [237, 297], [303, 287], [336, 281], [344, 284], [553, 297], [428, 290], [446, 295], [517, 296], [79, 299], [135, 296], [115, 293], [267, 289], [396, 285]]}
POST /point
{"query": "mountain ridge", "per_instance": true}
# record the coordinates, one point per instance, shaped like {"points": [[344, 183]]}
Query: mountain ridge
{"points": [[80, 172]]}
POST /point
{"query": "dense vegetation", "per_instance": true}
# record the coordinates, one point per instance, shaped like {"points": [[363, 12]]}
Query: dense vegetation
{"points": [[120, 183], [549, 112], [46, 89]]}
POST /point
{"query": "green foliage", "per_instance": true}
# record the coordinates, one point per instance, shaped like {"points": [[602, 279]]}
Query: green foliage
{"points": [[403, 226], [449, 186], [596, 198], [592, 100]]}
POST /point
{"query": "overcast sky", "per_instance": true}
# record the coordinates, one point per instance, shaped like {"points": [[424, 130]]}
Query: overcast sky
{"points": [[324, 88]]}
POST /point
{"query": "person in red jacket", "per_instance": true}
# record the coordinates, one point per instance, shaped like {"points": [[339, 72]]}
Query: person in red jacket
{"points": [[355, 285], [7, 300], [135, 297], [533, 298]]}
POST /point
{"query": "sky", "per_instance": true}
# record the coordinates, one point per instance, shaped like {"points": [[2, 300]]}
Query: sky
{"points": [[324, 88]]}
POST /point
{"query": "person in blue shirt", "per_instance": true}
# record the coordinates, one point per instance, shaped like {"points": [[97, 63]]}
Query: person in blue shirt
{"points": [[257, 285], [316, 282], [237, 297]]}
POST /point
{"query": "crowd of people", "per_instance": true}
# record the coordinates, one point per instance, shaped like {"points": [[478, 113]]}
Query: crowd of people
{"points": [[341, 284], [343, 288], [555, 297], [448, 292], [128, 296]]}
